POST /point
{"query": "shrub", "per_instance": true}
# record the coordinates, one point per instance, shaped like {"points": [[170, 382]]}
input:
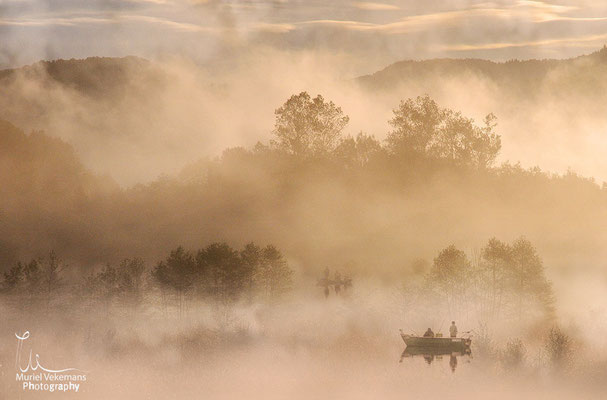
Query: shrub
{"points": [[559, 348], [513, 355]]}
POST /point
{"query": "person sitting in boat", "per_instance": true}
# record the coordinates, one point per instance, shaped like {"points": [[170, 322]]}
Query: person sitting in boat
{"points": [[429, 333], [453, 329]]}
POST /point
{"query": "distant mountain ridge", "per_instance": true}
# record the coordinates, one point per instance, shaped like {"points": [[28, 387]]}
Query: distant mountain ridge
{"points": [[97, 76], [519, 75], [93, 76]]}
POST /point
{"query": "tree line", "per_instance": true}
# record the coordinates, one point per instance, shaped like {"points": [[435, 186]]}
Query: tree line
{"points": [[502, 281], [223, 274], [421, 130], [216, 273]]}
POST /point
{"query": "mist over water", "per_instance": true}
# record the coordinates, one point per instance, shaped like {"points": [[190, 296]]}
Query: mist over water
{"points": [[343, 348]]}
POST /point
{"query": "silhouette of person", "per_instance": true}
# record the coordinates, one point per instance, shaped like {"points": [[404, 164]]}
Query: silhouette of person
{"points": [[453, 329], [429, 333]]}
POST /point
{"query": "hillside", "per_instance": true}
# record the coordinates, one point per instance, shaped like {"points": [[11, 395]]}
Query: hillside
{"points": [[103, 107], [136, 120], [549, 112], [400, 210], [94, 76], [522, 77], [47, 197]]}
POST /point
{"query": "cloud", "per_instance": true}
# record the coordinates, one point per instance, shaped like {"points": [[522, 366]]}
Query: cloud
{"points": [[274, 28], [547, 42], [92, 20], [544, 6], [356, 27], [178, 26], [481, 15], [375, 6], [410, 23], [54, 21], [158, 2]]}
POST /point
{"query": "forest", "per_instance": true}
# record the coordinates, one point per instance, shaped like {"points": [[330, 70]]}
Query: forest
{"points": [[428, 147]]}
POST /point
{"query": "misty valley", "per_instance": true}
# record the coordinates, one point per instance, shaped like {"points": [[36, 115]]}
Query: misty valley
{"points": [[377, 246]]}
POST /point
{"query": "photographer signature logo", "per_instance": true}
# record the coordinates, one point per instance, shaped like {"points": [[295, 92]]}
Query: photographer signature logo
{"points": [[35, 377]]}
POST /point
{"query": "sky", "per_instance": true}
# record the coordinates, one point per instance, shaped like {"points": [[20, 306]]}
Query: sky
{"points": [[372, 34]]}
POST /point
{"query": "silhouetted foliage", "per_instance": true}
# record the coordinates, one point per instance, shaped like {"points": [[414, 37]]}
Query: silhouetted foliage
{"points": [[358, 152], [495, 273], [13, 277], [223, 274], [559, 348], [176, 273], [38, 280], [451, 274], [421, 129], [273, 275], [529, 281], [513, 355], [123, 283], [308, 127], [130, 277], [508, 282]]}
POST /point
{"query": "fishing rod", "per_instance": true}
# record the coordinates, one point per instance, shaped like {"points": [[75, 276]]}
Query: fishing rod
{"points": [[440, 329]]}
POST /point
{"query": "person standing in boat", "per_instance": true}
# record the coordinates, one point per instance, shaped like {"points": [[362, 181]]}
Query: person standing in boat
{"points": [[453, 329], [429, 333]]}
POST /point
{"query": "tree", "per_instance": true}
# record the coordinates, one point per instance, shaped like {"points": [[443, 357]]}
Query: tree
{"points": [[450, 274], [251, 257], [32, 273], [308, 127], [107, 281], [14, 277], [274, 275], [513, 355], [415, 126], [130, 277], [358, 151], [486, 144], [421, 129], [530, 283], [50, 277], [511, 279], [559, 347], [223, 274], [123, 282], [495, 275], [177, 273]]}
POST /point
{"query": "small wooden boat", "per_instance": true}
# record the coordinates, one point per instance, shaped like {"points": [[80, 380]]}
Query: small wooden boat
{"points": [[446, 343]]}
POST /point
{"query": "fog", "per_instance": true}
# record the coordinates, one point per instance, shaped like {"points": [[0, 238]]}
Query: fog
{"points": [[308, 346], [178, 164], [155, 118]]}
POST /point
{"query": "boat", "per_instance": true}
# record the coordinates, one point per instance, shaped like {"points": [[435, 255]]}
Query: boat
{"points": [[446, 343]]}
